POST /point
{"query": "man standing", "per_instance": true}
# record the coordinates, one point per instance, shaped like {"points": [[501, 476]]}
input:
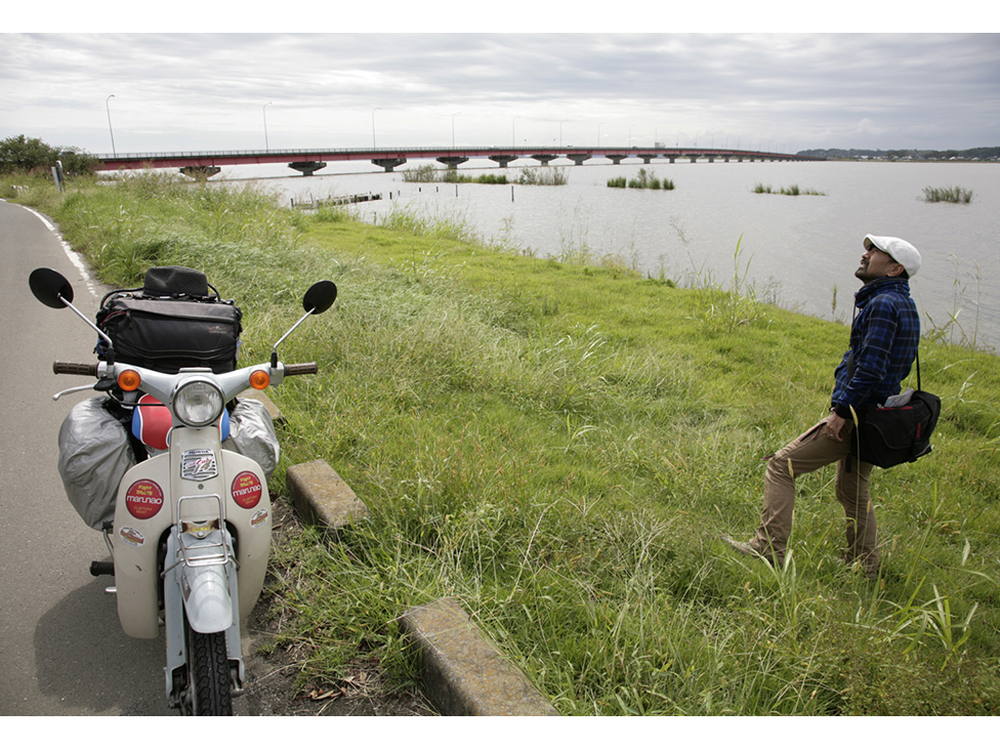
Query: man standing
{"points": [[884, 339]]}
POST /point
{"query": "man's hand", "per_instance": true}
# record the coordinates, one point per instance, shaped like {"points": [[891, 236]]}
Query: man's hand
{"points": [[833, 427]]}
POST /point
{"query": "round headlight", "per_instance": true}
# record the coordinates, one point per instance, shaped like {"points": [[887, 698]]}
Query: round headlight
{"points": [[198, 403]]}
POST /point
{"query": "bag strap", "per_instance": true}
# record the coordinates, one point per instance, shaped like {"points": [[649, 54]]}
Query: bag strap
{"points": [[918, 368]]}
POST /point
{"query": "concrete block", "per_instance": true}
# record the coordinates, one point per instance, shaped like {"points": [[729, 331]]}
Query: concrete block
{"points": [[321, 496], [271, 407], [463, 673]]}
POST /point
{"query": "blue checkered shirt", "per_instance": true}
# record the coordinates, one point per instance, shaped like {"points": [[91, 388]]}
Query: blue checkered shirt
{"points": [[884, 338]]}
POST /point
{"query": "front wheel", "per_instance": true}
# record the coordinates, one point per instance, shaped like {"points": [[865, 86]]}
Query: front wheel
{"points": [[208, 689]]}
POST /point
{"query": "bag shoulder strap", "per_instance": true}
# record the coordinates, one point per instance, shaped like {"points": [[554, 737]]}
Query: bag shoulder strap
{"points": [[919, 388]]}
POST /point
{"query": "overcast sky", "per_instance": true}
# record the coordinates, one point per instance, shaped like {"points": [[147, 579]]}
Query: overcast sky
{"points": [[788, 91]]}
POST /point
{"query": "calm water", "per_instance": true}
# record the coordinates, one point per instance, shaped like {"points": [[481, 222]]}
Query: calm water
{"points": [[799, 249]]}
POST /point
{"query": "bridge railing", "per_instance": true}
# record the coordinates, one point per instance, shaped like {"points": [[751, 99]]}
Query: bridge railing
{"points": [[458, 150]]}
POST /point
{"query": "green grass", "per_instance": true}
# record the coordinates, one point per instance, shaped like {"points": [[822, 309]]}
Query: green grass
{"points": [[948, 195], [789, 190], [542, 176], [559, 447], [527, 176], [643, 181]]}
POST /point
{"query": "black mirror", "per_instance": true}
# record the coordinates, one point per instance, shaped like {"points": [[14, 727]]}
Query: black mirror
{"points": [[320, 297], [48, 286]]}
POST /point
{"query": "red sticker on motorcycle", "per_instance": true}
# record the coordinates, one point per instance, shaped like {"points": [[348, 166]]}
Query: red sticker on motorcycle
{"points": [[247, 489], [144, 499]]}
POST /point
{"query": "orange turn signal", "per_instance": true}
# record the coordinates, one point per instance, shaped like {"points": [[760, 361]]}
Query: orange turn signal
{"points": [[129, 380], [260, 379]]}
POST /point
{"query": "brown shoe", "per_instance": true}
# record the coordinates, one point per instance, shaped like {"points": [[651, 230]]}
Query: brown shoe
{"points": [[745, 548]]}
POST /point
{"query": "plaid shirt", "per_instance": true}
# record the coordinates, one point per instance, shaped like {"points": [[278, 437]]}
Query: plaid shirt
{"points": [[884, 338]]}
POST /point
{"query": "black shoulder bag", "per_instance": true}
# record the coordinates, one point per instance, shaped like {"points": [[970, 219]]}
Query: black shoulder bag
{"points": [[890, 435]]}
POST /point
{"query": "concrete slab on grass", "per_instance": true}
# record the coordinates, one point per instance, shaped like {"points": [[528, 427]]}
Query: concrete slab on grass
{"points": [[321, 496], [463, 673]]}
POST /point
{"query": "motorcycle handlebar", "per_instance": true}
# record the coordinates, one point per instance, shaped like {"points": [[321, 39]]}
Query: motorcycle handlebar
{"points": [[75, 368], [305, 368]]}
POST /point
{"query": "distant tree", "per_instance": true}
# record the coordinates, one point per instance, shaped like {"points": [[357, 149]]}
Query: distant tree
{"points": [[22, 154]]}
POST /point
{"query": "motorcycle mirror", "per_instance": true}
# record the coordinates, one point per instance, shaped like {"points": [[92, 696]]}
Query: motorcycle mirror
{"points": [[320, 297], [51, 288], [48, 286]]}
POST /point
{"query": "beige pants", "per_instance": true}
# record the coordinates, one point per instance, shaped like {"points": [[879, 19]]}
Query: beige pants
{"points": [[806, 453]]}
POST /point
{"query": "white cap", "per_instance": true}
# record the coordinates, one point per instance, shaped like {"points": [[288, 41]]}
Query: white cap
{"points": [[899, 250]]}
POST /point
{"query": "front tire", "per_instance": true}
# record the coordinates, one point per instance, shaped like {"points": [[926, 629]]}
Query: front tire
{"points": [[208, 674]]}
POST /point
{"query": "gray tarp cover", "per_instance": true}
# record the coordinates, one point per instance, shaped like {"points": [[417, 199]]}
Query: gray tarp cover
{"points": [[94, 453]]}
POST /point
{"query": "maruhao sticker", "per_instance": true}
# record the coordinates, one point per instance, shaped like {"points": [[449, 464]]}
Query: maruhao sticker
{"points": [[247, 489], [144, 499], [259, 517], [132, 536]]}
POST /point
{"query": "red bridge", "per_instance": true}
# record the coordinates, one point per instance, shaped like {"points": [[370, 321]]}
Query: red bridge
{"points": [[204, 164]]}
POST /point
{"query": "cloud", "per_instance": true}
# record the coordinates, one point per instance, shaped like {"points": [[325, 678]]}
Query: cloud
{"points": [[175, 91]]}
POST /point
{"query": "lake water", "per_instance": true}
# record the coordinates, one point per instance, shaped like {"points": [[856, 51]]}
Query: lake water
{"points": [[799, 251]]}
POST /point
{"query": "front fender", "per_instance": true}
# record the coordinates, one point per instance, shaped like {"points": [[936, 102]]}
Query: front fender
{"points": [[207, 602]]}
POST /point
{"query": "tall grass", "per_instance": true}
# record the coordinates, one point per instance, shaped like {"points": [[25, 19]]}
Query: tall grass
{"points": [[947, 194], [789, 190], [542, 176], [558, 446], [527, 176], [643, 181]]}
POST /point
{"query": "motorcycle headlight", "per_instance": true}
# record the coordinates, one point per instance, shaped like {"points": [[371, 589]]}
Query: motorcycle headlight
{"points": [[198, 403]]}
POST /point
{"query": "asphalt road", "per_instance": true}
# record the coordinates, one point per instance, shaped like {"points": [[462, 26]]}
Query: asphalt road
{"points": [[62, 650]]}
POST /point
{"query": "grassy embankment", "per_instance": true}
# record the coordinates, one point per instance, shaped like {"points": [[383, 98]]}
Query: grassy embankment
{"points": [[560, 446]]}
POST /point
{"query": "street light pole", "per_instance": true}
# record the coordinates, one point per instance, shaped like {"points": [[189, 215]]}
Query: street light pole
{"points": [[267, 145], [373, 126], [107, 107], [453, 128]]}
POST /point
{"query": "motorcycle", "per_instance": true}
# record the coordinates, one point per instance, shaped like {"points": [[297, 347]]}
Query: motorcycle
{"points": [[191, 533]]}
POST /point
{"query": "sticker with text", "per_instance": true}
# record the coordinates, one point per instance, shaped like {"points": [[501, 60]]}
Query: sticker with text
{"points": [[144, 499], [247, 489]]}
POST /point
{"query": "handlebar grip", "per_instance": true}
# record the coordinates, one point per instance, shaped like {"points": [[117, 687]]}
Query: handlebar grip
{"points": [[305, 368], [75, 368]]}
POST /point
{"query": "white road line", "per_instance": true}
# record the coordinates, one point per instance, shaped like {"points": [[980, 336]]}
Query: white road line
{"points": [[74, 257]]}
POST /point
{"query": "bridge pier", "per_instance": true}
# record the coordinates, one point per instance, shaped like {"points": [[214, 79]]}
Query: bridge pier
{"points": [[578, 159], [200, 172], [502, 160], [388, 164], [672, 159], [452, 162], [544, 158], [711, 159], [693, 158], [616, 159], [307, 168], [646, 158]]}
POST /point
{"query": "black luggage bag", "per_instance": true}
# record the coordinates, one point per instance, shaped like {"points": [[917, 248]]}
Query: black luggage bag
{"points": [[173, 321]]}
